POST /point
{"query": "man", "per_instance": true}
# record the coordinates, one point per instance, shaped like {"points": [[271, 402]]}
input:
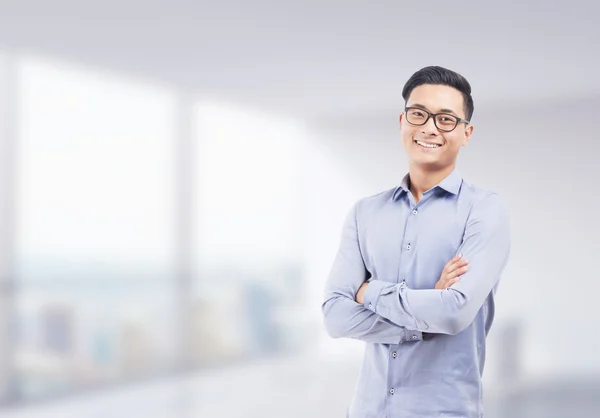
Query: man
{"points": [[418, 267]]}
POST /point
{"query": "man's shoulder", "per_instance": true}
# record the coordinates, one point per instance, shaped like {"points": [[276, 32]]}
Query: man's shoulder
{"points": [[482, 198], [376, 199], [374, 202]]}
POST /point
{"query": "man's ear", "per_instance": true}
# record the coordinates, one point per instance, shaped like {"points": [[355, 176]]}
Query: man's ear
{"points": [[468, 132]]}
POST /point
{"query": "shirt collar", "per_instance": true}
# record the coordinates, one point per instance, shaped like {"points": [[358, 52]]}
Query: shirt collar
{"points": [[450, 183]]}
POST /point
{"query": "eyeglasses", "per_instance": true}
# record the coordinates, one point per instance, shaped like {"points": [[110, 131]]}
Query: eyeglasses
{"points": [[445, 122]]}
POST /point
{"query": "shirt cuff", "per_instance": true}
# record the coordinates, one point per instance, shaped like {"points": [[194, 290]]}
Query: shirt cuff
{"points": [[373, 292]]}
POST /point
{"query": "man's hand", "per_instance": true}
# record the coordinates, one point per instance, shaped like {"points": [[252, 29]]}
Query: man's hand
{"points": [[450, 275], [452, 271], [360, 295]]}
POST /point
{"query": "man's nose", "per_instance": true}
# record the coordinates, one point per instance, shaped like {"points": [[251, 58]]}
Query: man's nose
{"points": [[429, 128]]}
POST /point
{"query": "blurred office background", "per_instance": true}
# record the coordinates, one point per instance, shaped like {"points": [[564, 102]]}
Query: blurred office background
{"points": [[174, 178]]}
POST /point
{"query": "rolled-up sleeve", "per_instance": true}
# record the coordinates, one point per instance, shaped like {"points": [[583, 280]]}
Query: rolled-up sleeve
{"points": [[486, 244], [343, 316]]}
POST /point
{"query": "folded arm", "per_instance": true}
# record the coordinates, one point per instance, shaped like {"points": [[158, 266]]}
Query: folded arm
{"points": [[343, 316], [486, 244]]}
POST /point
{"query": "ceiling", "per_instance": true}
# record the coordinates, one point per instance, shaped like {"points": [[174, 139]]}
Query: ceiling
{"points": [[313, 58]]}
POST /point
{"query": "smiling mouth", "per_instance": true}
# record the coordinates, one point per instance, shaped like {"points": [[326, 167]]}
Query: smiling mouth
{"points": [[426, 145]]}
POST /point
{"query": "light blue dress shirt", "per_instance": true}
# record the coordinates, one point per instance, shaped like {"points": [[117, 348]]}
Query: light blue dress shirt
{"points": [[425, 348]]}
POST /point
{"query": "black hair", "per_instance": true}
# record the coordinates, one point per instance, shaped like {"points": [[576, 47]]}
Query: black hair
{"points": [[443, 76]]}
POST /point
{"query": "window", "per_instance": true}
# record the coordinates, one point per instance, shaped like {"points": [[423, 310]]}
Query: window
{"points": [[248, 233], [95, 248]]}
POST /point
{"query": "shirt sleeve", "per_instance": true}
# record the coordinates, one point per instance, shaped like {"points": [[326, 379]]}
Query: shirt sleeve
{"points": [[343, 316], [486, 244]]}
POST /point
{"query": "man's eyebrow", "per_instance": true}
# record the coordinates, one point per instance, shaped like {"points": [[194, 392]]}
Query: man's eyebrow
{"points": [[441, 110], [448, 111], [418, 105]]}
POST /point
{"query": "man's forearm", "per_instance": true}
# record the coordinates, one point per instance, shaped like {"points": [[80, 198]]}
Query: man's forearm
{"points": [[449, 311], [345, 318], [342, 315]]}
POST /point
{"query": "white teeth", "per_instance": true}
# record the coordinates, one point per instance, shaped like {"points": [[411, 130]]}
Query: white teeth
{"points": [[423, 144]]}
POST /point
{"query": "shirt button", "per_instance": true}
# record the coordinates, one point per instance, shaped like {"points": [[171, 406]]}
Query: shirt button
{"points": [[370, 306], [414, 212], [394, 354], [408, 247], [414, 337], [392, 391]]}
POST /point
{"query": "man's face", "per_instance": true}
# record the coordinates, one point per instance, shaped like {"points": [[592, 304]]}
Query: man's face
{"points": [[419, 141]]}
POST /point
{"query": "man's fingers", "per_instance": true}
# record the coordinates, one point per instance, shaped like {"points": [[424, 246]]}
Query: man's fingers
{"points": [[458, 265], [456, 260], [456, 272], [451, 282], [461, 270], [453, 277]]}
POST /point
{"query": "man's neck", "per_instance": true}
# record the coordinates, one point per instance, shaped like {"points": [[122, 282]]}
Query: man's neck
{"points": [[423, 180]]}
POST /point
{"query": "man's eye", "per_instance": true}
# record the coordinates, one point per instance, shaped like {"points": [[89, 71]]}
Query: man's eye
{"points": [[417, 114], [446, 119]]}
